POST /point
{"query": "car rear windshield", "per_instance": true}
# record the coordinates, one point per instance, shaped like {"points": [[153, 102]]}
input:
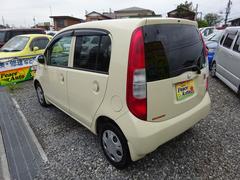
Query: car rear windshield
{"points": [[2, 36], [172, 49]]}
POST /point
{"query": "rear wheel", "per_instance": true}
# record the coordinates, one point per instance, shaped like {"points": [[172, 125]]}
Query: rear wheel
{"points": [[40, 95], [114, 145], [213, 69]]}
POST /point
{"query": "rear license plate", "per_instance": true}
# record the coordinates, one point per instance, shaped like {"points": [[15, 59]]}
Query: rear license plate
{"points": [[184, 89]]}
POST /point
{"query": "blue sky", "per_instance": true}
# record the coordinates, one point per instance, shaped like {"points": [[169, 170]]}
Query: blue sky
{"points": [[23, 13]]}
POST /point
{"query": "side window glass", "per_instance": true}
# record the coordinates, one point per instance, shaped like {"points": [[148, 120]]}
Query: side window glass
{"points": [[41, 43], [92, 53], [205, 32], [236, 46], [86, 52], [221, 41], [59, 52], [210, 31], [228, 41]]}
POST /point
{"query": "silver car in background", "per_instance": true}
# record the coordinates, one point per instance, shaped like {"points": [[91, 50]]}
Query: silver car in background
{"points": [[226, 63]]}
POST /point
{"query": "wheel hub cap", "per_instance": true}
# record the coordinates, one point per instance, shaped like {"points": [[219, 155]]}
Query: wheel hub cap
{"points": [[112, 146], [40, 94]]}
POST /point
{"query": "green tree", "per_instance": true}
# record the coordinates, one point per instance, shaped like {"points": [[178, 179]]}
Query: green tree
{"points": [[213, 19], [202, 23], [185, 10], [186, 6]]}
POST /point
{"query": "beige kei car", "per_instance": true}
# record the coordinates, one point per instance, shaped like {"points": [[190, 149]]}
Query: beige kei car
{"points": [[140, 83]]}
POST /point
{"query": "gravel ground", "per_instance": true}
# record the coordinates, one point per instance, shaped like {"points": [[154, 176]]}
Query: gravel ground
{"points": [[210, 150]]}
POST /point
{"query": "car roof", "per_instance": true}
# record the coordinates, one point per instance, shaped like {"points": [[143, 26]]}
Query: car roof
{"points": [[128, 23], [233, 28], [22, 29], [35, 35]]}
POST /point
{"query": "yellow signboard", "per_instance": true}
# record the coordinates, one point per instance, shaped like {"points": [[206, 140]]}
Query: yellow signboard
{"points": [[184, 89], [15, 75]]}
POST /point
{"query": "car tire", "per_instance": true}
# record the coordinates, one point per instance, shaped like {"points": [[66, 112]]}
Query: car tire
{"points": [[213, 69], [238, 93], [40, 95], [114, 145]]}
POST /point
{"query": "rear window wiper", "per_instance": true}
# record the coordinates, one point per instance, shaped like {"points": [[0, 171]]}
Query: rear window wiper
{"points": [[193, 68]]}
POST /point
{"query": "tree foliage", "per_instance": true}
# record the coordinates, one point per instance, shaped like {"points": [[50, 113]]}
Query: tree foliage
{"points": [[186, 6], [213, 19], [185, 10], [202, 23]]}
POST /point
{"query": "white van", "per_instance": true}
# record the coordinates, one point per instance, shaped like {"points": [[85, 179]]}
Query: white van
{"points": [[226, 63], [143, 81]]}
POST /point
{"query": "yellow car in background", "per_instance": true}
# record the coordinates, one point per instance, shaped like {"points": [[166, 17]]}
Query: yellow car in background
{"points": [[18, 55]]}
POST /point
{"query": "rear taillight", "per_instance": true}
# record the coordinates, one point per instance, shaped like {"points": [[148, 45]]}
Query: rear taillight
{"points": [[136, 76], [205, 49]]}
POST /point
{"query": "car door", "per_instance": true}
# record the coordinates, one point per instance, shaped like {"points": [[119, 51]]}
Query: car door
{"points": [[236, 60], [87, 80], [225, 59], [58, 57]]}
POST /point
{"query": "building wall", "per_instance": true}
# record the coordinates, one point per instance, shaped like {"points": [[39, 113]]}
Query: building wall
{"points": [[60, 23], [56, 24], [95, 18], [132, 14], [69, 22]]}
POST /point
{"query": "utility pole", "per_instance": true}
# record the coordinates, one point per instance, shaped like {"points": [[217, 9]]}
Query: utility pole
{"points": [[51, 19], [228, 10], [196, 12], [3, 21], [34, 21]]}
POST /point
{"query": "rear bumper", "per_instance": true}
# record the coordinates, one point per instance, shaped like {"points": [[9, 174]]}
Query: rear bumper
{"points": [[144, 137]]}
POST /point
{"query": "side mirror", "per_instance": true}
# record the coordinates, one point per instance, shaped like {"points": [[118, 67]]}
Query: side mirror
{"points": [[41, 59], [35, 48]]}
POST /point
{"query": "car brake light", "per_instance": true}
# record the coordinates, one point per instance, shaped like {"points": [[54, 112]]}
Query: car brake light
{"points": [[204, 46], [136, 77]]}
